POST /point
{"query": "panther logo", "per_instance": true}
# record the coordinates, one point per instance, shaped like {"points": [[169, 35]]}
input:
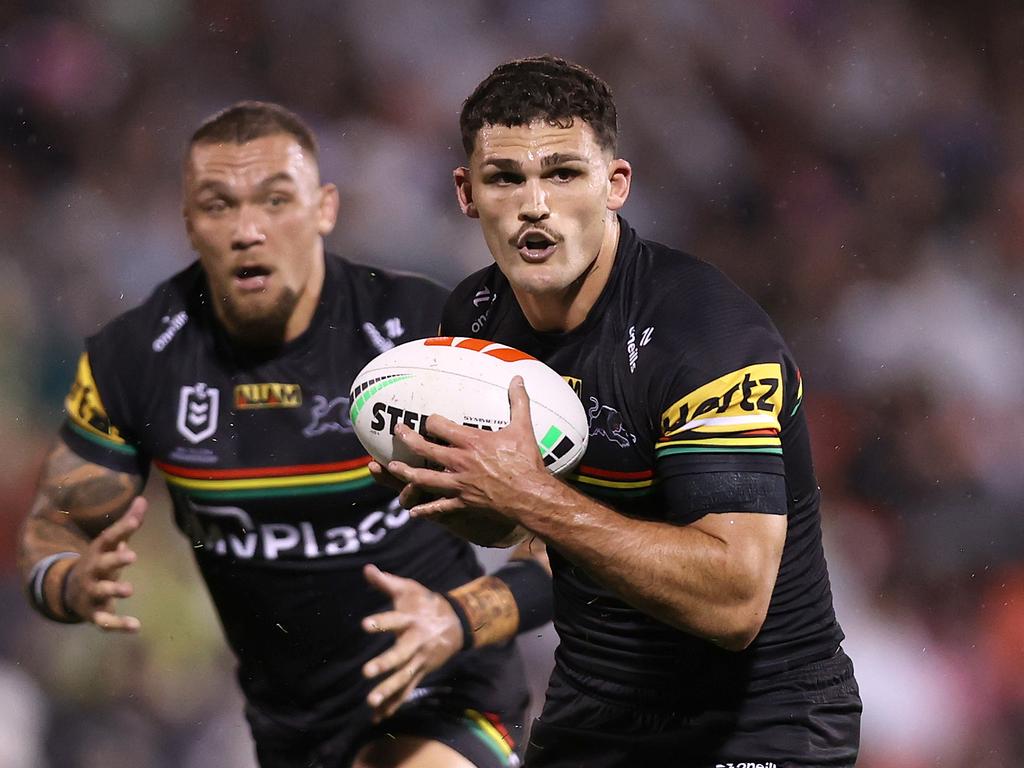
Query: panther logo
{"points": [[607, 422]]}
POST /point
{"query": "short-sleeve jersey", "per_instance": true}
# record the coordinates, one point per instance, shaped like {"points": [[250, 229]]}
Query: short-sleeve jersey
{"points": [[681, 374], [267, 479]]}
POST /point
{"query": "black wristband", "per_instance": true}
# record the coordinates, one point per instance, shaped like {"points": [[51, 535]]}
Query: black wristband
{"points": [[530, 585], [36, 591], [460, 613]]}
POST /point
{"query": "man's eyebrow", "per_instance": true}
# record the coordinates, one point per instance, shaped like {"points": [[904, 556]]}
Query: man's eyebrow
{"points": [[560, 157], [504, 164], [216, 185]]}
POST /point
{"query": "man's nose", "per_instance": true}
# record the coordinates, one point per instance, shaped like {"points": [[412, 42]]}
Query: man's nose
{"points": [[248, 229], [535, 202]]}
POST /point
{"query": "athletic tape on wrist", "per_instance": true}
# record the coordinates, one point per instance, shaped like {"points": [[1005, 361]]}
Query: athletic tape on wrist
{"points": [[36, 588]]}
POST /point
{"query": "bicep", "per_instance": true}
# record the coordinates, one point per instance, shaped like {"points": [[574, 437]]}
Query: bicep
{"points": [[74, 491], [754, 542]]}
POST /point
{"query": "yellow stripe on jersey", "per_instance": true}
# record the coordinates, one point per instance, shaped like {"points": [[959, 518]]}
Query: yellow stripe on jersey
{"points": [[745, 399], [85, 408]]}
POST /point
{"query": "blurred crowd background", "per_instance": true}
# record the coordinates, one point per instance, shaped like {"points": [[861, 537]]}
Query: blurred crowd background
{"points": [[857, 167]]}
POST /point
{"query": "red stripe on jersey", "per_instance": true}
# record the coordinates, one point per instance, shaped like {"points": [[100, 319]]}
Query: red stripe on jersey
{"points": [[230, 474]]}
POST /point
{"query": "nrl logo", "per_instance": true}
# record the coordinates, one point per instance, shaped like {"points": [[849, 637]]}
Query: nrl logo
{"points": [[197, 412]]}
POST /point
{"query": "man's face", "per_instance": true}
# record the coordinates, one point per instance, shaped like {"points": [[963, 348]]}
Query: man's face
{"points": [[256, 215], [544, 196]]}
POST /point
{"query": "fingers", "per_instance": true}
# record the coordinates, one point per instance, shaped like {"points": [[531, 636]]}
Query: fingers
{"points": [[418, 444], [429, 481], [437, 507], [388, 621], [383, 581], [387, 697], [396, 656], [111, 622], [122, 529]]}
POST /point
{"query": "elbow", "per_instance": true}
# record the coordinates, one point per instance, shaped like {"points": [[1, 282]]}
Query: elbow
{"points": [[741, 627]]}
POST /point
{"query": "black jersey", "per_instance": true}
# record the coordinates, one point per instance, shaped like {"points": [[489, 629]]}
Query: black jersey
{"points": [[267, 478], [681, 374]]}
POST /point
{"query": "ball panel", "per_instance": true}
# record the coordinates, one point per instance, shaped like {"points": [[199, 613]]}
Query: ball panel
{"points": [[465, 380]]}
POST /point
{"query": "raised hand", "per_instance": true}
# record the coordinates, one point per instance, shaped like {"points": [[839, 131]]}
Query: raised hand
{"points": [[427, 634], [94, 583]]}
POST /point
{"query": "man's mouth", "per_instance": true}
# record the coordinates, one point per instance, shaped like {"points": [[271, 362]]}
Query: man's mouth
{"points": [[535, 245], [252, 277]]}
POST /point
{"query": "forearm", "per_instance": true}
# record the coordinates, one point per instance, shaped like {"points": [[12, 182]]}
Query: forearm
{"points": [[681, 575], [516, 598], [74, 501]]}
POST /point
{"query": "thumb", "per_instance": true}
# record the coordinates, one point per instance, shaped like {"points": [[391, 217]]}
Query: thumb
{"points": [[518, 399], [386, 582]]}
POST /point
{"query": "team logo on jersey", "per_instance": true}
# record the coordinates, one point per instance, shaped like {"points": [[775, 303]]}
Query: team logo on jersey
{"points": [[749, 398], [393, 329], [197, 412], [174, 324], [607, 422], [84, 407], [633, 345], [269, 395], [329, 416]]}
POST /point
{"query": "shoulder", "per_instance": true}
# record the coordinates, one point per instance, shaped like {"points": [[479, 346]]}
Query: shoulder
{"points": [[698, 314], [154, 324], [471, 301], [373, 281]]}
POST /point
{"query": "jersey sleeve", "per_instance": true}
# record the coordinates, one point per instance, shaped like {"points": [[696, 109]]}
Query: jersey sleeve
{"points": [[90, 431], [722, 405]]}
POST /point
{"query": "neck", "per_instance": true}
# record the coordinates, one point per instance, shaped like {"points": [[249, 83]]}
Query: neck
{"points": [[304, 310], [567, 309]]}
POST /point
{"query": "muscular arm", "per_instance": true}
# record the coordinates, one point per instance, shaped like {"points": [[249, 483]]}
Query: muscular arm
{"points": [[76, 501], [713, 578]]}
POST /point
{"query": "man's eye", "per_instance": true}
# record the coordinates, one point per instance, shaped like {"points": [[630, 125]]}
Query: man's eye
{"points": [[503, 179], [213, 206], [276, 201], [565, 174]]}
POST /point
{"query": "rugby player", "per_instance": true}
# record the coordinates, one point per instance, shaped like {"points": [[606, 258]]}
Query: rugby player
{"points": [[692, 598], [346, 616]]}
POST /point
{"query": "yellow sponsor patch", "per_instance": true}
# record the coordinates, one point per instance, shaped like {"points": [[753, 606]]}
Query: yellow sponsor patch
{"points": [[268, 395], [84, 406], [576, 384], [747, 399]]}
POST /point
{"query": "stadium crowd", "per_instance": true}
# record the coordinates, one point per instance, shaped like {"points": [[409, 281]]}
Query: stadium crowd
{"points": [[857, 167]]}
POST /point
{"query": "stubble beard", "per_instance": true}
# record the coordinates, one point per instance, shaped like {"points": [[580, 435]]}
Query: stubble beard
{"points": [[259, 329]]}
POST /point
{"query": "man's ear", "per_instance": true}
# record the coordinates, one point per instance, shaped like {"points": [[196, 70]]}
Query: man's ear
{"points": [[330, 203], [620, 174], [464, 191]]}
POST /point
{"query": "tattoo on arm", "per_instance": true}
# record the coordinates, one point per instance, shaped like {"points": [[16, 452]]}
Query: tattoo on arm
{"points": [[490, 608], [74, 502]]}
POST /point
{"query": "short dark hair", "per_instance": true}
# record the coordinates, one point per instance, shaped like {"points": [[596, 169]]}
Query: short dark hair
{"points": [[540, 88], [247, 120]]}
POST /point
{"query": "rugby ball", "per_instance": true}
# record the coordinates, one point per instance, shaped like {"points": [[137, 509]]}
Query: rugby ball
{"points": [[465, 380]]}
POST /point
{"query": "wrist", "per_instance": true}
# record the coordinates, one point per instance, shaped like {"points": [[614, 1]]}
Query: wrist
{"points": [[47, 587], [463, 619], [490, 611]]}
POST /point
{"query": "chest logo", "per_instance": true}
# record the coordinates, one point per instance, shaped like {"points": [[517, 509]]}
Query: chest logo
{"points": [[197, 412], [329, 416], [270, 395], [607, 422]]}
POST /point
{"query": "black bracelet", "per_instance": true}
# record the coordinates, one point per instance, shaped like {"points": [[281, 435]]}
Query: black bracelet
{"points": [[36, 591], [460, 613], [530, 585]]}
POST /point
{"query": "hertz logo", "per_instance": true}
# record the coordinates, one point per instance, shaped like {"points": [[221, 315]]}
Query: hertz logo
{"points": [[750, 398], [269, 395]]}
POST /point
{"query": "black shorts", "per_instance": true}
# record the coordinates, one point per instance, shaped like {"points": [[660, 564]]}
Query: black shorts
{"points": [[809, 716], [477, 709]]}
